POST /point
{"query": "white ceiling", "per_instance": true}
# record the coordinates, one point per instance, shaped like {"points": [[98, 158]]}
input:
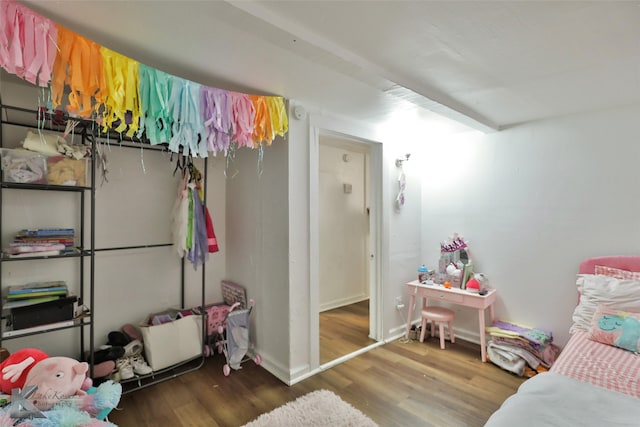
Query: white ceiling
{"points": [[486, 64]]}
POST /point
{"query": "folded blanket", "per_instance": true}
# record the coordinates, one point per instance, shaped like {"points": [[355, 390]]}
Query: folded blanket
{"points": [[537, 337], [547, 354], [506, 359]]}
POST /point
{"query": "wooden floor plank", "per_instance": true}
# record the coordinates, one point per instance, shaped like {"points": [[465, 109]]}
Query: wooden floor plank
{"points": [[396, 384]]}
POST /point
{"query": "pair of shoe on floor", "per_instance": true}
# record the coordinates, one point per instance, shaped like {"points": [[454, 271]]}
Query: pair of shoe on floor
{"points": [[115, 347], [121, 357], [131, 363]]}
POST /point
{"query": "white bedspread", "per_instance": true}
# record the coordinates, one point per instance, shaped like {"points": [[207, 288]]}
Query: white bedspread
{"points": [[550, 399]]}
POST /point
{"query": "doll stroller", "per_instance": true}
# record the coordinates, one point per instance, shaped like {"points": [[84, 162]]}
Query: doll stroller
{"points": [[235, 342]]}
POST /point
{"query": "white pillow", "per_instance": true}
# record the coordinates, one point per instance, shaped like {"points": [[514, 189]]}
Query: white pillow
{"points": [[605, 290]]}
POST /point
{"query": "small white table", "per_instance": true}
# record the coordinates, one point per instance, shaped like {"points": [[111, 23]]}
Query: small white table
{"points": [[453, 296]]}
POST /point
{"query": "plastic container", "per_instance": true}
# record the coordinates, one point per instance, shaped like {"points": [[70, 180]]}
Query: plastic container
{"points": [[423, 273]]}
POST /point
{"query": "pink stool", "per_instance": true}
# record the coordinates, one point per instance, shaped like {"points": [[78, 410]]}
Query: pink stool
{"points": [[439, 315]]}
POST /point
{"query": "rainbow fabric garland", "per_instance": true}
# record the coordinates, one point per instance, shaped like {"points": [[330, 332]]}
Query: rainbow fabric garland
{"points": [[94, 82]]}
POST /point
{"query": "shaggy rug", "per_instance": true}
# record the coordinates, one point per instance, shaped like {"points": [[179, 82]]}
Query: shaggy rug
{"points": [[318, 408]]}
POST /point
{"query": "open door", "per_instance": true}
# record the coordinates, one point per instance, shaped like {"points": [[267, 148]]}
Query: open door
{"points": [[344, 285]]}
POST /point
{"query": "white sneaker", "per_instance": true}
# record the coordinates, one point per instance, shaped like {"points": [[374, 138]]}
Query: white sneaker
{"points": [[140, 366], [125, 368], [133, 348]]}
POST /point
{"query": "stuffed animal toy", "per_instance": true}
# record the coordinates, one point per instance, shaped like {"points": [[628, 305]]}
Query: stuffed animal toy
{"points": [[59, 415], [57, 378], [87, 411], [64, 393], [14, 369]]}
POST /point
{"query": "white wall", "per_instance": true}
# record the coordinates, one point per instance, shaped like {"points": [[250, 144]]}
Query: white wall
{"points": [[534, 201], [344, 223], [257, 257], [398, 254]]}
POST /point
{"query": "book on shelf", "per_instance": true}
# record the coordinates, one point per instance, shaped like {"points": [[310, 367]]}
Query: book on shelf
{"points": [[54, 285], [46, 232], [35, 240], [67, 251], [16, 303], [61, 292], [17, 248]]}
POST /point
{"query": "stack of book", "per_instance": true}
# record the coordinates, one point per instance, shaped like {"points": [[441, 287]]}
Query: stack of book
{"points": [[42, 303], [42, 242], [34, 293]]}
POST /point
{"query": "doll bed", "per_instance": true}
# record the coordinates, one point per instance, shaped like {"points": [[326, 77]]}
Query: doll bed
{"points": [[591, 383]]}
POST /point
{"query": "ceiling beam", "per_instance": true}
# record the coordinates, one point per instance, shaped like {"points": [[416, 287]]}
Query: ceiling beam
{"points": [[419, 94]]}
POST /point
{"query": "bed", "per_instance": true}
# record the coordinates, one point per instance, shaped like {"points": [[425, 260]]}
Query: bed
{"points": [[596, 379]]}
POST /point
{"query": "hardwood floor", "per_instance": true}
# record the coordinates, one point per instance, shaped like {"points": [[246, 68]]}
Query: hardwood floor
{"points": [[397, 384], [344, 330]]}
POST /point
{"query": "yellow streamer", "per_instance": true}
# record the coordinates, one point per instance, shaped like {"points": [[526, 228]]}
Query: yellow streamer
{"points": [[122, 92], [278, 114]]}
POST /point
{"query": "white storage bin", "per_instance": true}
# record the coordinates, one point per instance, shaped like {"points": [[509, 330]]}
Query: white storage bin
{"points": [[172, 342]]}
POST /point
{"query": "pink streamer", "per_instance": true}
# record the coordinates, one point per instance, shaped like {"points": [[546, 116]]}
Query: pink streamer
{"points": [[244, 115], [27, 43]]}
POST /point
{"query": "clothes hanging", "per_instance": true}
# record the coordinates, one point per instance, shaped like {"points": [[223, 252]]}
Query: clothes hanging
{"points": [[212, 241], [180, 218], [198, 253], [192, 227]]}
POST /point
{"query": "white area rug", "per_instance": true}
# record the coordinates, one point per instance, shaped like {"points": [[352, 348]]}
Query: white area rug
{"points": [[318, 408]]}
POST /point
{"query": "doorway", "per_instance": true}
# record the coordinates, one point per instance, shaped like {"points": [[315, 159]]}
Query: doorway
{"points": [[344, 243]]}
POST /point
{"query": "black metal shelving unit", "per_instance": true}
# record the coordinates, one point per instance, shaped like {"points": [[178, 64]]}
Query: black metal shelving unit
{"points": [[22, 117], [91, 133]]}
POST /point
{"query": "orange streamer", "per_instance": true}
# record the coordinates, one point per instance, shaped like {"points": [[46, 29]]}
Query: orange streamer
{"points": [[262, 129], [79, 66]]}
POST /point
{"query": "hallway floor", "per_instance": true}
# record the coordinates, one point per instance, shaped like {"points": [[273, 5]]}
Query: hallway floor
{"points": [[344, 330]]}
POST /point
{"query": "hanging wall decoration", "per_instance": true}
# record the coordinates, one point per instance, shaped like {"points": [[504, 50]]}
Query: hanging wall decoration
{"points": [[93, 82], [27, 43]]}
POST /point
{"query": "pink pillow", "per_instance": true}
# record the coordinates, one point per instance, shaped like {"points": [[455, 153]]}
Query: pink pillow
{"points": [[616, 327], [617, 273]]}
